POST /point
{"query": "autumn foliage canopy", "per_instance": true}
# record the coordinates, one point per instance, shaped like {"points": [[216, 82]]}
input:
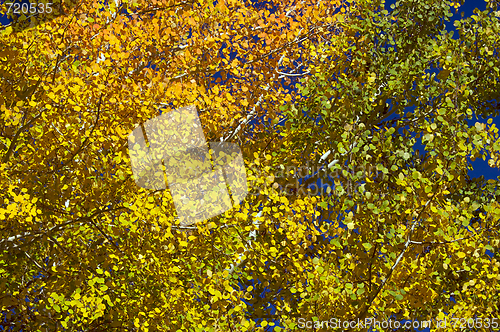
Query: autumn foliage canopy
{"points": [[357, 123]]}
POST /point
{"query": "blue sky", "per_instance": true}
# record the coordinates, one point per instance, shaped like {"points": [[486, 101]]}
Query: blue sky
{"points": [[480, 167]]}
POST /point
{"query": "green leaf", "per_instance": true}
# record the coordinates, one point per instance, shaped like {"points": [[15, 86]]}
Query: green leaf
{"points": [[336, 243]]}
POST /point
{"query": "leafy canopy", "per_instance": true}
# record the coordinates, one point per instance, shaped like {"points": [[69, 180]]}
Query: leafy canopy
{"points": [[397, 232]]}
